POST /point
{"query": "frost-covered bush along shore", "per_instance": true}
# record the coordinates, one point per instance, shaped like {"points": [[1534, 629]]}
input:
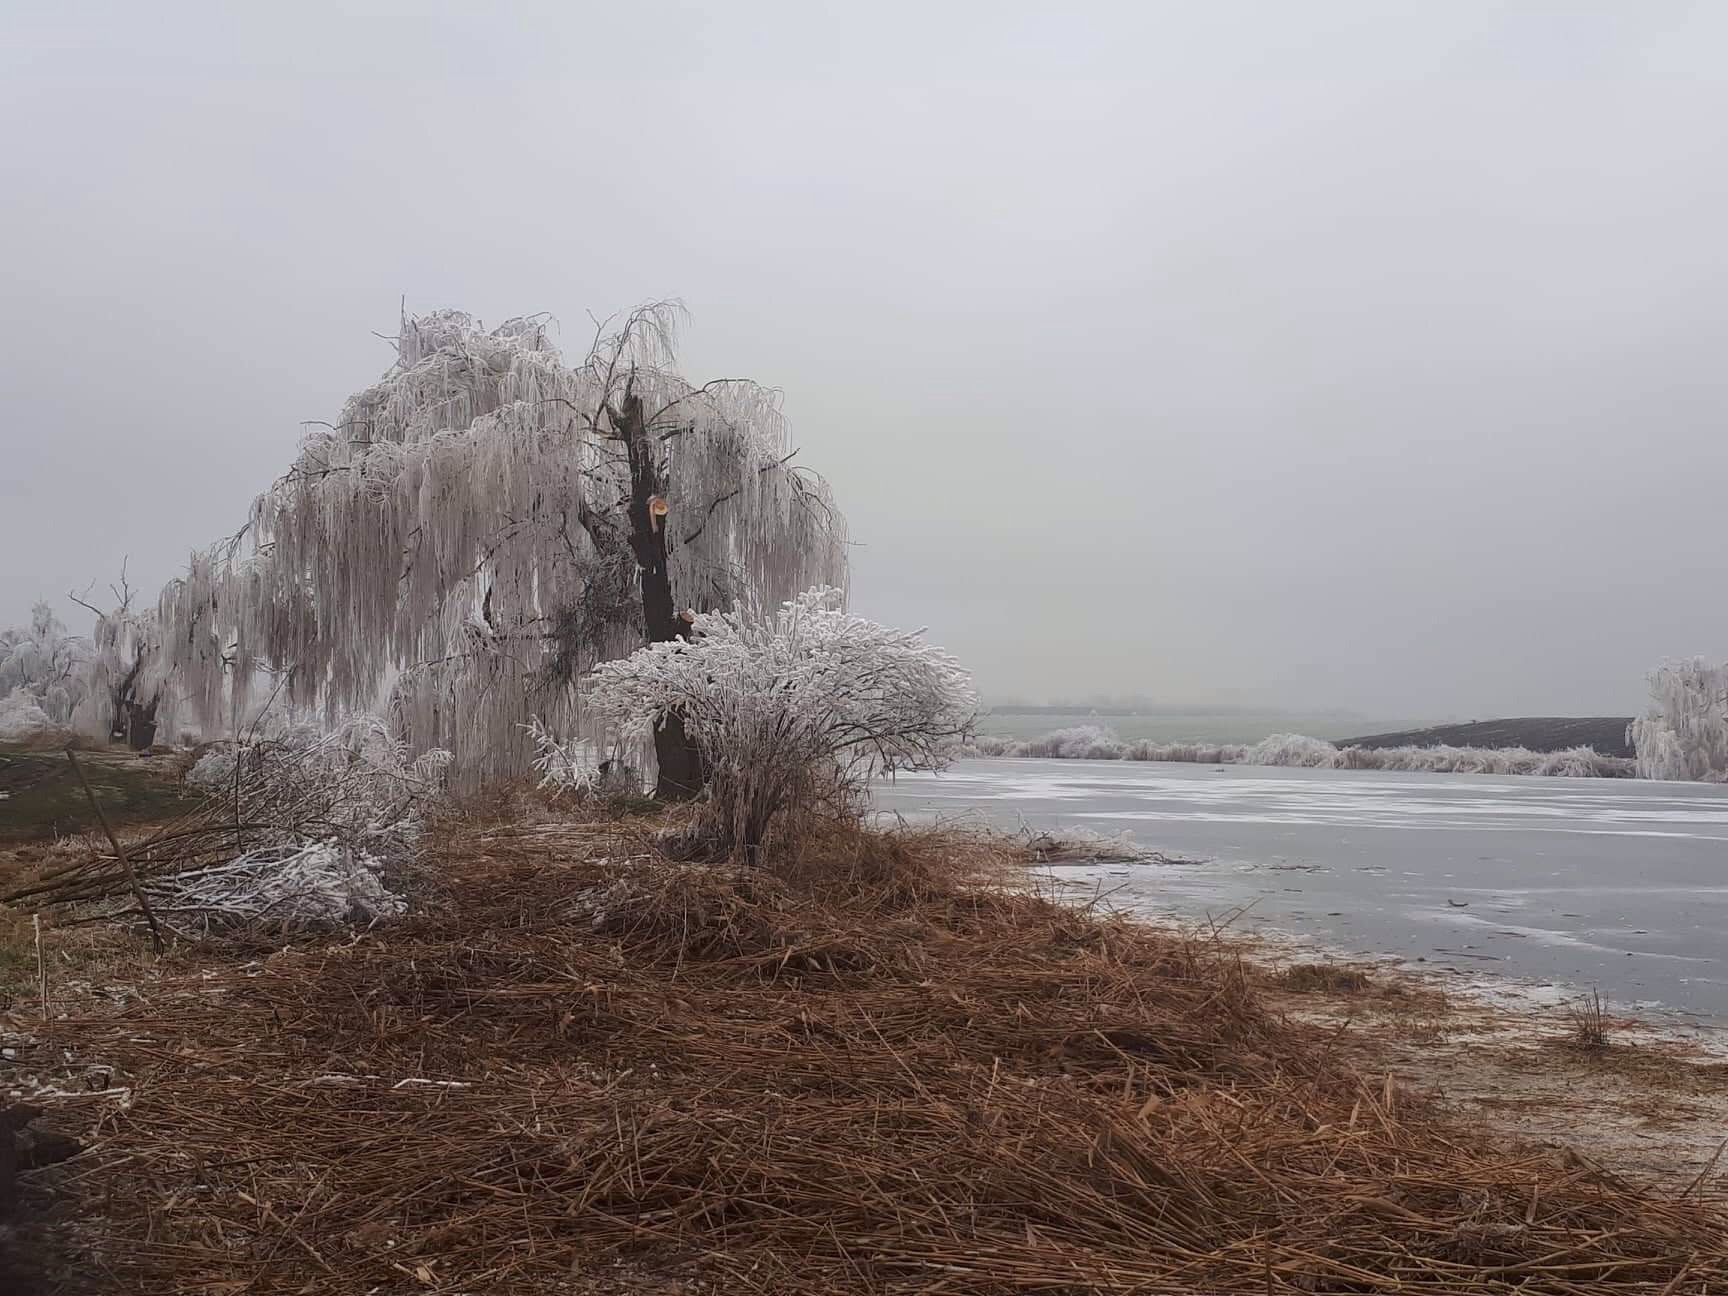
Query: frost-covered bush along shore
{"points": [[792, 710], [1684, 733], [1087, 742]]}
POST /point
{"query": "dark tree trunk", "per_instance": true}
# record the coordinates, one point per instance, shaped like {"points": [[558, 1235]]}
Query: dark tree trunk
{"points": [[133, 721], [680, 762], [140, 726]]}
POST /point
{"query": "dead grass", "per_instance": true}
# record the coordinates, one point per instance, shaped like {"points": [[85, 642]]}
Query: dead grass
{"points": [[582, 1067], [1590, 1025], [1327, 978]]}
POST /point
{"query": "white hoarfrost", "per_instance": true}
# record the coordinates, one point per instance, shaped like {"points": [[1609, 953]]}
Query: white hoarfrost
{"points": [[321, 881], [293, 781], [311, 817], [563, 764], [794, 707], [127, 679], [45, 662], [1684, 733], [301, 824], [460, 536], [22, 719], [1088, 742], [582, 765]]}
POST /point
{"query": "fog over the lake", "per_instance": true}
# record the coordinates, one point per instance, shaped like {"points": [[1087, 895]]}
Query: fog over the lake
{"points": [[1335, 354]]}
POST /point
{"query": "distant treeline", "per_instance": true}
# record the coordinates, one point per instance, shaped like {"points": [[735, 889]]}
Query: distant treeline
{"points": [[1087, 742]]}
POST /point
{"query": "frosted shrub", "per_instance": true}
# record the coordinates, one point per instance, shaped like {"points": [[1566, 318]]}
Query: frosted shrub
{"points": [[1292, 749], [1684, 733], [1574, 762], [1092, 744], [1081, 742], [578, 765], [22, 719], [1200, 753], [44, 662], [563, 764], [792, 709]]}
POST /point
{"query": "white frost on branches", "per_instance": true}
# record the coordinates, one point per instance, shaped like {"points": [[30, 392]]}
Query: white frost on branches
{"points": [[300, 823], [1089, 742], [459, 535], [1684, 734], [22, 719], [45, 662], [563, 764], [790, 708], [295, 781], [321, 882], [127, 676]]}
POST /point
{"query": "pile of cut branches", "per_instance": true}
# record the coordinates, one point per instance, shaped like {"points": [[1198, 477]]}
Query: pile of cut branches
{"points": [[296, 825]]}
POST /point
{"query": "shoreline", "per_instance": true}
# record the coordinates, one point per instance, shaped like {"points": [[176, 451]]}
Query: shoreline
{"points": [[1573, 882], [1494, 1048], [1508, 991], [1500, 1049]]}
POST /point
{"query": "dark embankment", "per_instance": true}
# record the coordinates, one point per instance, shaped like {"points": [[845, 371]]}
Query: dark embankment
{"points": [[1607, 734]]}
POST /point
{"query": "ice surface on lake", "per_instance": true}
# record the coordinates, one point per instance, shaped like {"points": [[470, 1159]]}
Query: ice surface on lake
{"points": [[1616, 884]]}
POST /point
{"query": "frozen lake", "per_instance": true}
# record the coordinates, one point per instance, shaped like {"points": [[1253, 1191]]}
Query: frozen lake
{"points": [[1616, 884]]}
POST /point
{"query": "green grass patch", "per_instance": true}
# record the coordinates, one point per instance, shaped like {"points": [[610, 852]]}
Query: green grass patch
{"points": [[41, 798]]}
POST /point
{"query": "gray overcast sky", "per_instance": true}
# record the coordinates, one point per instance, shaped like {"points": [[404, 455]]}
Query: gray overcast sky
{"points": [[1325, 353]]}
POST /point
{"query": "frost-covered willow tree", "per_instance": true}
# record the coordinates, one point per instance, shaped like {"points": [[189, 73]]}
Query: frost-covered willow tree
{"points": [[486, 523], [1684, 733], [127, 691]]}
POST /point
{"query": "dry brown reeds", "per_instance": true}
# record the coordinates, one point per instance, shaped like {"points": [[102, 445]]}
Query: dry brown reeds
{"points": [[1327, 978], [581, 1067], [1589, 1021]]}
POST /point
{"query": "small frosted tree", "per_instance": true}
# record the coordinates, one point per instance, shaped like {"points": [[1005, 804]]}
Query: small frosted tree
{"points": [[44, 662], [127, 692], [792, 709], [1684, 733], [486, 523]]}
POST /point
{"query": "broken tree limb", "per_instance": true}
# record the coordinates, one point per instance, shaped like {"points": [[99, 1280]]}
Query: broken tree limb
{"points": [[125, 863], [41, 964]]}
